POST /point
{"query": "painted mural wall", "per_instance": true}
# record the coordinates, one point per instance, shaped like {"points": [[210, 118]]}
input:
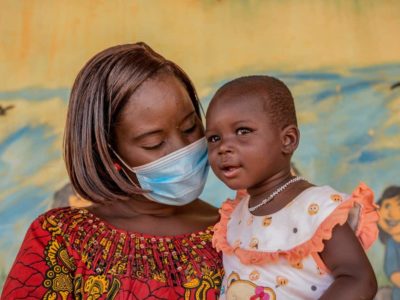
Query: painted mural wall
{"points": [[340, 58]]}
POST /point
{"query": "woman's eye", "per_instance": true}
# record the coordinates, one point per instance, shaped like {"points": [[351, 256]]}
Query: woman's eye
{"points": [[213, 139], [190, 129], [243, 131], [153, 147]]}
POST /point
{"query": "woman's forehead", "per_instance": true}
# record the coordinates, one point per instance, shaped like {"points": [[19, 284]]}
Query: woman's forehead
{"points": [[156, 94], [156, 107]]}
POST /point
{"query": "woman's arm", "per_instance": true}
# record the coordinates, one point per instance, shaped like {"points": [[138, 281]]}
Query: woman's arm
{"points": [[353, 275], [42, 268]]}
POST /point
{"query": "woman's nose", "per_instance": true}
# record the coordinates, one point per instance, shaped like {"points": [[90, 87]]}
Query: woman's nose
{"points": [[178, 141]]}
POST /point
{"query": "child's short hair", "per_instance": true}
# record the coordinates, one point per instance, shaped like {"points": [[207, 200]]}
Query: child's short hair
{"points": [[100, 92], [278, 100]]}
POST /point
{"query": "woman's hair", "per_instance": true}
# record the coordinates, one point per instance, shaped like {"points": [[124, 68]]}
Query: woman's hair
{"points": [[389, 192], [100, 92]]}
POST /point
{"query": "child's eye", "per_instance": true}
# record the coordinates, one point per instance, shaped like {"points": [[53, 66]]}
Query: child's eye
{"points": [[213, 139], [243, 131], [153, 147]]}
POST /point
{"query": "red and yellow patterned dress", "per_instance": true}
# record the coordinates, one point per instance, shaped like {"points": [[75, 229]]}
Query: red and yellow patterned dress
{"points": [[71, 254]]}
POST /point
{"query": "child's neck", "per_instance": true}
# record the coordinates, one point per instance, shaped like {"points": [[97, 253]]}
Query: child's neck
{"points": [[292, 188], [266, 187]]}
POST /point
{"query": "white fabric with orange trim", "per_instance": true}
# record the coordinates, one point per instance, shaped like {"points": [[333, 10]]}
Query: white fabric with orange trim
{"points": [[277, 255]]}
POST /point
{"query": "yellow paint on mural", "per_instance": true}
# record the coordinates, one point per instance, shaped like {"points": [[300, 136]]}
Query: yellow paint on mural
{"points": [[45, 43], [393, 120], [394, 107]]}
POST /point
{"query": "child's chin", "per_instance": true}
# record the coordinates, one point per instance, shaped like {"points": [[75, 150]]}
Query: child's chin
{"points": [[235, 187], [233, 184]]}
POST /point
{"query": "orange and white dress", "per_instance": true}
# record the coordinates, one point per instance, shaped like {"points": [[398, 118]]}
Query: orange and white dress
{"points": [[276, 256]]}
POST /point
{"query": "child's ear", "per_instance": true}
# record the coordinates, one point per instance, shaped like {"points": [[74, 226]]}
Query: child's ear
{"points": [[290, 137]]}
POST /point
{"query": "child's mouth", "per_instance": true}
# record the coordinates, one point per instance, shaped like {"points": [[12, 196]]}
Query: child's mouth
{"points": [[230, 172]]}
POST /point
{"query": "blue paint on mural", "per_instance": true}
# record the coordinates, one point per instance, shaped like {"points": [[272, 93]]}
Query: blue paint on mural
{"points": [[26, 202], [30, 148], [315, 76], [36, 94], [348, 90]]}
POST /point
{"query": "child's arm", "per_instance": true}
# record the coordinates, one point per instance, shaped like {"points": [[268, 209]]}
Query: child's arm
{"points": [[349, 265]]}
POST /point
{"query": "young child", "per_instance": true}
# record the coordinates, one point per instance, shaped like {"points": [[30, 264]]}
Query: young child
{"points": [[285, 238]]}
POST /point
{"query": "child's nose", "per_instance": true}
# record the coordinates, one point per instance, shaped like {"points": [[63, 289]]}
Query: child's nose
{"points": [[225, 147]]}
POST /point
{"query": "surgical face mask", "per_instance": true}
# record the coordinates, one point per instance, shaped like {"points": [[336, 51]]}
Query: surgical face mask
{"points": [[177, 178]]}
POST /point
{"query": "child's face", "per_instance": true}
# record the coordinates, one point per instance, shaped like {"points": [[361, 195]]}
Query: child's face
{"points": [[389, 213], [244, 147]]}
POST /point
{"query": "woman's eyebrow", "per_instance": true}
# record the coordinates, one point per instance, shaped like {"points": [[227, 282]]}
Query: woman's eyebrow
{"points": [[158, 131], [188, 115], [148, 133]]}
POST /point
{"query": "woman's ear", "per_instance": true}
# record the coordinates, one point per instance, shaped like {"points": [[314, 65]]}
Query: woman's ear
{"points": [[290, 137]]}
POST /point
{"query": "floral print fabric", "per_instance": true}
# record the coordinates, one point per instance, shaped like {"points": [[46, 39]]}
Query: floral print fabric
{"points": [[71, 254]]}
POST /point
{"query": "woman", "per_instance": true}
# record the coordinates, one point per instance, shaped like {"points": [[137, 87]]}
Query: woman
{"points": [[134, 146]]}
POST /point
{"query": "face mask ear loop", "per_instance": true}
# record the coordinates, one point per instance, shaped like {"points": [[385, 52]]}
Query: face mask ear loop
{"points": [[126, 174], [134, 183], [120, 159]]}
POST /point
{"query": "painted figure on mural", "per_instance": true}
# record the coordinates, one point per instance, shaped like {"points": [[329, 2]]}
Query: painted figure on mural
{"points": [[285, 238], [389, 234], [135, 148]]}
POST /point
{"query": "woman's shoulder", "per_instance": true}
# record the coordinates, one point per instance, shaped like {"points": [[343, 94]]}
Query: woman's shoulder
{"points": [[59, 211], [70, 220], [66, 214], [67, 220]]}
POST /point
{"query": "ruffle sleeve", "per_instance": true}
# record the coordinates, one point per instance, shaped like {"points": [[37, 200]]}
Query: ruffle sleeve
{"points": [[359, 206]]}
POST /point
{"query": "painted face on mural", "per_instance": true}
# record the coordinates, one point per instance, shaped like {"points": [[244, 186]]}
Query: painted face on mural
{"points": [[389, 212], [244, 147]]}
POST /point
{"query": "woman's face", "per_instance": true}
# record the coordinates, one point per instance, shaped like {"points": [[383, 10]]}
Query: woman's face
{"points": [[158, 119]]}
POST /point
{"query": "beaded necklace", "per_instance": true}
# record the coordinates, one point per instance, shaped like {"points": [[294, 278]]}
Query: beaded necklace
{"points": [[276, 192]]}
